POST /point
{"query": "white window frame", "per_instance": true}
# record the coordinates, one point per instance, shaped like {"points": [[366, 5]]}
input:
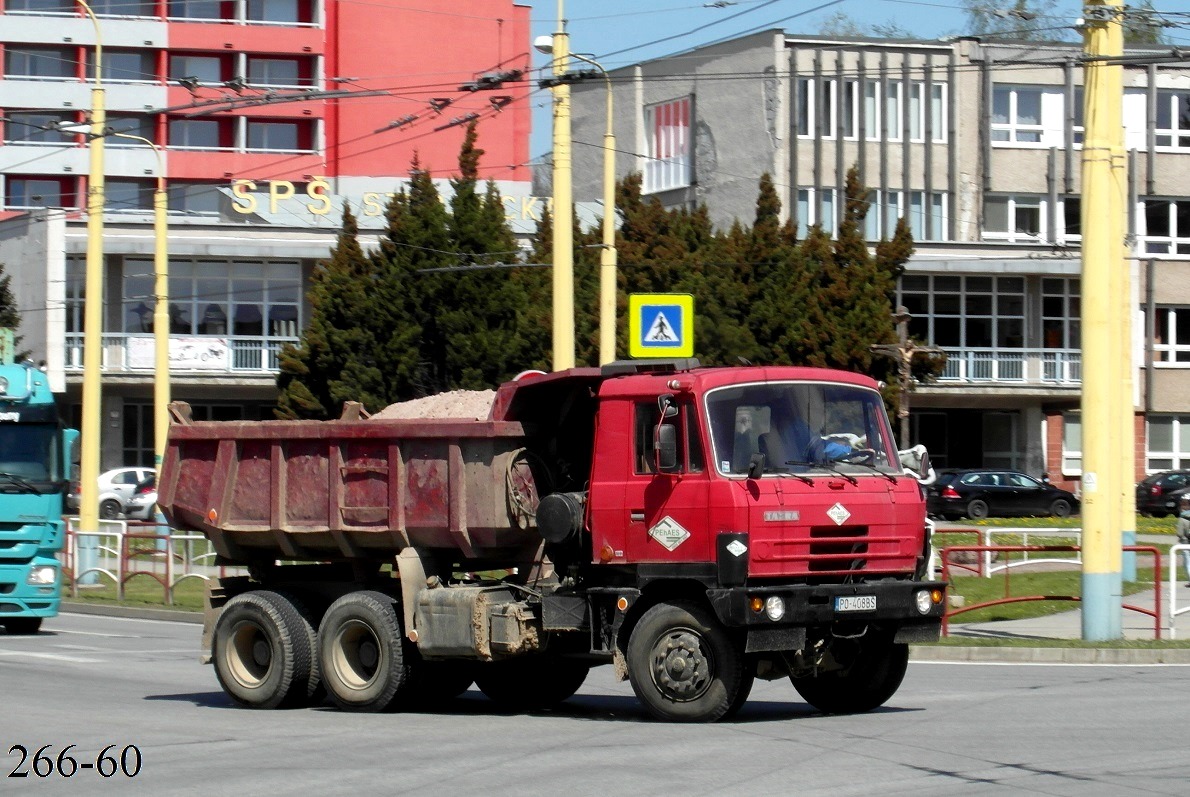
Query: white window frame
{"points": [[1072, 443], [1177, 243], [1015, 203], [1178, 135], [1177, 456], [816, 206], [1171, 353], [1013, 131]]}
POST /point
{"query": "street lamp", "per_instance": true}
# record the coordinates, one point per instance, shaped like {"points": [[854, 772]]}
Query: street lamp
{"points": [[160, 308], [563, 242], [93, 306], [607, 253]]}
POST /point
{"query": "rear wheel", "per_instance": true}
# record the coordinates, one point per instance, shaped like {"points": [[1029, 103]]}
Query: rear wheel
{"points": [[1060, 508], [531, 683], [263, 651], [977, 509], [22, 626], [110, 509], [365, 666], [871, 673], [683, 665]]}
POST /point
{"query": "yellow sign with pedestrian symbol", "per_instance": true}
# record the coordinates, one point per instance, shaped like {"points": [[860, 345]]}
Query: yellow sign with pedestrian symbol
{"points": [[660, 325]]}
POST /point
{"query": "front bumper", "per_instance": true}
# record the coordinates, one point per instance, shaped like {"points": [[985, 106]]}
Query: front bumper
{"points": [[815, 606], [21, 599]]}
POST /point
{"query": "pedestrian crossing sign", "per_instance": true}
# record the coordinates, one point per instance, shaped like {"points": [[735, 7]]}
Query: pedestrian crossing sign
{"points": [[660, 325]]}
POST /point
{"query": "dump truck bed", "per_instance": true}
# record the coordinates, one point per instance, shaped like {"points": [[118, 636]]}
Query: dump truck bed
{"points": [[315, 490]]}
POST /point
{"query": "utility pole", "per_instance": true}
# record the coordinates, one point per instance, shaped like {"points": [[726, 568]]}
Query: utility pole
{"points": [[1107, 378], [903, 352]]}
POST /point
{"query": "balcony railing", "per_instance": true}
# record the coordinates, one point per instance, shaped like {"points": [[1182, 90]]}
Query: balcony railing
{"points": [[1019, 366], [189, 353]]}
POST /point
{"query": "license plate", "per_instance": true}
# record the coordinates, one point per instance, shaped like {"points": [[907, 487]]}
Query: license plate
{"points": [[855, 603]]}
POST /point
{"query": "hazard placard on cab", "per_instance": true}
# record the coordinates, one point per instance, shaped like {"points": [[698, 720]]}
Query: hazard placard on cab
{"points": [[660, 325]]}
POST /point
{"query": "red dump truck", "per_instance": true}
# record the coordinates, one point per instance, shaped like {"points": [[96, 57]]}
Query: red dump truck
{"points": [[695, 527]]}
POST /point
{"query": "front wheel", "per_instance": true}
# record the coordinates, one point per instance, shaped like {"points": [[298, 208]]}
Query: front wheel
{"points": [[977, 509], [22, 626], [1060, 508], [870, 672], [683, 665], [110, 509]]}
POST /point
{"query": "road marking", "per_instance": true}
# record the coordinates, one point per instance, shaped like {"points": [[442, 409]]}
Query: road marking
{"points": [[51, 656], [1052, 663]]}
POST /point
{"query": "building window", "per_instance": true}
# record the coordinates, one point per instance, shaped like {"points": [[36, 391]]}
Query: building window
{"points": [[38, 192], [41, 6], [273, 136], [1171, 335], [124, 65], [218, 298], [1061, 309], [140, 126], [961, 312], [283, 11], [203, 68], [138, 434], [815, 207], [1168, 442], [1016, 114], [202, 9], [196, 199], [1173, 119], [1072, 444], [276, 72], [669, 163], [1166, 227], [127, 196], [39, 62], [1016, 217], [36, 127], [195, 134], [1072, 220]]}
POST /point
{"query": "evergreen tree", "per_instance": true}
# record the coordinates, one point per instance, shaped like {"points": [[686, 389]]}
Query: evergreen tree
{"points": [[336, 359], [10, 314]]}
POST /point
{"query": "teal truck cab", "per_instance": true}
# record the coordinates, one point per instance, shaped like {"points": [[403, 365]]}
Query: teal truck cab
{"points": [[34, 474]]}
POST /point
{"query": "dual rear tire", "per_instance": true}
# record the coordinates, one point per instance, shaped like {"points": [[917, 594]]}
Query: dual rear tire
{"points": [[264, 651]]}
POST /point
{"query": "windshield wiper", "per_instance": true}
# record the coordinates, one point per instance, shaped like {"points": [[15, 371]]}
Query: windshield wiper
{"points": [[875, 470], [825, 466], [20, 482]]}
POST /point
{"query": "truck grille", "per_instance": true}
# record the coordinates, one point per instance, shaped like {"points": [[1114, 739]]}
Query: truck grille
{"points": [[837, 548]]}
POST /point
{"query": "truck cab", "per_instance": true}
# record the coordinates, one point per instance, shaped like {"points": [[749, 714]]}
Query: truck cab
{"points": [[34, 473]]}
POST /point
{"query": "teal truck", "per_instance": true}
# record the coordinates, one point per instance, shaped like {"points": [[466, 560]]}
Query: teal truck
{"points": [[34, 473]]}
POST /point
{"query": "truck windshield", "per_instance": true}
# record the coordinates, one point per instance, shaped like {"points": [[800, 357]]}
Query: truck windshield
{"points": [[799, 427], [28, 452]]}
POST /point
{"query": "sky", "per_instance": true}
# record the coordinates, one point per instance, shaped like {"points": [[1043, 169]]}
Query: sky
{"points": [[623, 32]]}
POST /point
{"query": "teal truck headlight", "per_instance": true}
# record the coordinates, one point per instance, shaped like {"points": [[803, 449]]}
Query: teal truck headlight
{"points": [[43, 576]]}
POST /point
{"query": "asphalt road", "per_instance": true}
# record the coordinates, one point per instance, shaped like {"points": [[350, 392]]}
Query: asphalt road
{"points": [[976, 728]]}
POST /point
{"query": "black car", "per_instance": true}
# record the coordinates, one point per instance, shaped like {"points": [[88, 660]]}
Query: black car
{"points": [[1158, 494], [984, 492]]}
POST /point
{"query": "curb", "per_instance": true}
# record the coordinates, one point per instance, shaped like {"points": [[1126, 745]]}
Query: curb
{"points": [[1017, 655], [134, 612]]}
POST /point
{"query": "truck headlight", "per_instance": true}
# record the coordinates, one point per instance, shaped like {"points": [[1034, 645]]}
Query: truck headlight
{"points": [[926, 599], [45, 575], [774, 607]]}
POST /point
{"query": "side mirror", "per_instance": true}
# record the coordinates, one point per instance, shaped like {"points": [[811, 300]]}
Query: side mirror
{"points": [[69, 436], [665, 403], [916, 462], [665, 445]]}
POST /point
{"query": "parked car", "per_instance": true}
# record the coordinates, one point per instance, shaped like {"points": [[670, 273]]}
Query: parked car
{"points": [[115, 488], [985, 492], [1158, 494], [143, 503]]}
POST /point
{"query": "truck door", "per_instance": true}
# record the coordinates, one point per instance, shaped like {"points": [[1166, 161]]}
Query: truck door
{"points": [[656, 517]]}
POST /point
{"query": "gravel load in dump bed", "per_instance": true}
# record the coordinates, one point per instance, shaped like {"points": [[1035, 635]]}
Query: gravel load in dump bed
{"points": [[469, 404]]}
